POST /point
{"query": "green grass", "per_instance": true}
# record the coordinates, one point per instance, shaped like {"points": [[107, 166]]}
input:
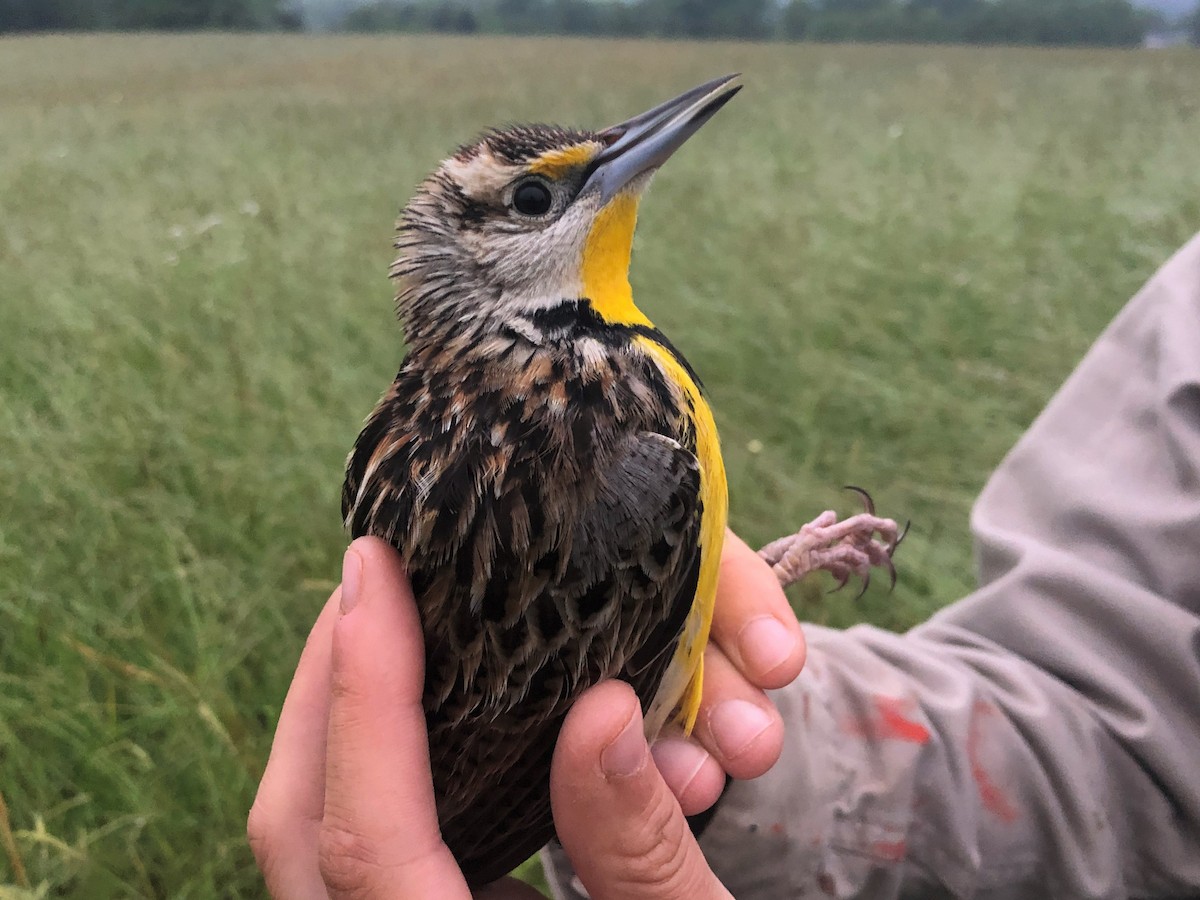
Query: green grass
{"points": [[882, 260]]}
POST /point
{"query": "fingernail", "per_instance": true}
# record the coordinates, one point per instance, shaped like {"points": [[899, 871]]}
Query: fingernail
{"points": [[351, 579], [626, 754], [765, 644], [679, 761], [736, 724]]}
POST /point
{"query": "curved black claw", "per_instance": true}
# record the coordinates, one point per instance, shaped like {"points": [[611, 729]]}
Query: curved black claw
{"points": [[899, 538], [866, 584], [891, 567], [866, 498], [842, 582]]}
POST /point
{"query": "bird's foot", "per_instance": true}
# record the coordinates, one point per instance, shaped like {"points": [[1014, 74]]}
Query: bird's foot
{"points": [[843, 549]]}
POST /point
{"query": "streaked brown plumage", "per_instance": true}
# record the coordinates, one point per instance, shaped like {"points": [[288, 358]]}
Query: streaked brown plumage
{"points": [[551, 546]]}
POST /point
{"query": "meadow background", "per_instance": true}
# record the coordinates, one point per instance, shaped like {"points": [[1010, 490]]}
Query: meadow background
{"points": [[882, 260]]}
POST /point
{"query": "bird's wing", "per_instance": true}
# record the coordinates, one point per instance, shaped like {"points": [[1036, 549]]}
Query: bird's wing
{"points": [[650, 517], [609, 600]]}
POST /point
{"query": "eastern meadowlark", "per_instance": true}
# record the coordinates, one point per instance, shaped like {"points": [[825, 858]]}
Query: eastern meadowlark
{"points": [[548, 465]]}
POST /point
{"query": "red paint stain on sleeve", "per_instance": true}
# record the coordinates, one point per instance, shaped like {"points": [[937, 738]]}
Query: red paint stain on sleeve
{"points": [[892, 851], [993, 798], [894, 724], [887, 720]]}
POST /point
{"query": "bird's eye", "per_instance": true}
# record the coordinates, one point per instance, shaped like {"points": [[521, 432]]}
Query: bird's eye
{"points": [[532, 198]]}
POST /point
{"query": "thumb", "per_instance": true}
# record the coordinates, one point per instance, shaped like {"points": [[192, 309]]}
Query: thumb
{"points": [[618, 821]]}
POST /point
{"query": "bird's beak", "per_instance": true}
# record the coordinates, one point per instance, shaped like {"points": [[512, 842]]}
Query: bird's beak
{"points": [[645, 142]]}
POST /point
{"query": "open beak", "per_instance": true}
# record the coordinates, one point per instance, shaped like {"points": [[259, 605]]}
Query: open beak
{"points": [[645, 142]]}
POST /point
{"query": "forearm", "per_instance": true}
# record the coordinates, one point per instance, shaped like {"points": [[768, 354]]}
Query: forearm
{"points": [[942, 765]]}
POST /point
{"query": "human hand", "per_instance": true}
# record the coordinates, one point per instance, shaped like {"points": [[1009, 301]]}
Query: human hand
{"points": [[756, 645], [346, 809]]}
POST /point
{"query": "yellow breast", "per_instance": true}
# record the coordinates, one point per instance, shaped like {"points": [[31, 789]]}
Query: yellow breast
{"points": [[605, 276], [683, 682]]}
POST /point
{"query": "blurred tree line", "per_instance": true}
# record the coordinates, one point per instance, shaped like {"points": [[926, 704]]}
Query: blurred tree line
{"points": [[1093, 22], [1057, 22], [66, 15]]}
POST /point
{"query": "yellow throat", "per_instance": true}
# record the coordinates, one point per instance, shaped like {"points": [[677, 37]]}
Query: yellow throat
{"points": [[606, 257]]}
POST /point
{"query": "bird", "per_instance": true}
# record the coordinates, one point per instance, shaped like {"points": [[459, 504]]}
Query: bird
{"points": [[547, 463]]}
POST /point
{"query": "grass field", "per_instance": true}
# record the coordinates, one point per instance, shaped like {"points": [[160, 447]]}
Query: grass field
{"points": [[882, 260]]}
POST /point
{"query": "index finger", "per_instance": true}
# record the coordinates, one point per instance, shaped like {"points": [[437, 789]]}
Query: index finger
{"points": [[753, 622]]}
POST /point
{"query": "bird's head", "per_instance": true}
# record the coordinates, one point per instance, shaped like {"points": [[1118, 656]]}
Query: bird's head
{"points": [[530, 216]]}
